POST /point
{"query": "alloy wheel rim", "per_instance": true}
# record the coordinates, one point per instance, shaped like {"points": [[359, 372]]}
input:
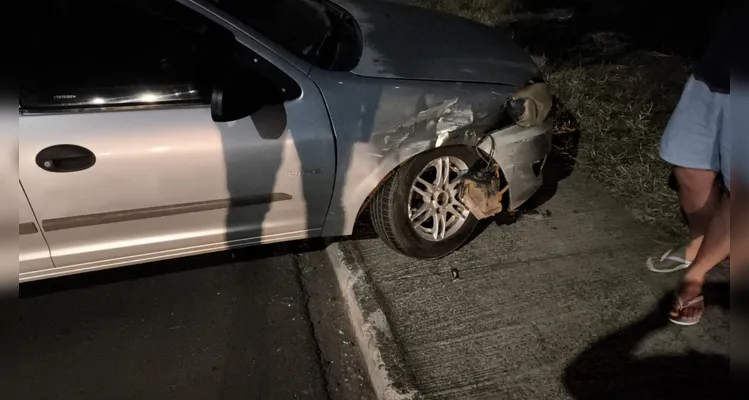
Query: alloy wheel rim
{"points": [[435, 209]]}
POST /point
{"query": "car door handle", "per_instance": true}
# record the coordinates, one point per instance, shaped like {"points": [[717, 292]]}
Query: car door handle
{"points": [[65, 158]]}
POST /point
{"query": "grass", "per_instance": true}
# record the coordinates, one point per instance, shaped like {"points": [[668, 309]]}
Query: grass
{"points": [[485, 11], [622, 109], [620, 89], [622, 104]]}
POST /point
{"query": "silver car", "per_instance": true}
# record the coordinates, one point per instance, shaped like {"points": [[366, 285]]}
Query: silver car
{"points": [[153, 129]]}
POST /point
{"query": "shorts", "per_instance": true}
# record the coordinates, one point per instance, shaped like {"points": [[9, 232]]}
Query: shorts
{"points": [[697, 136]]}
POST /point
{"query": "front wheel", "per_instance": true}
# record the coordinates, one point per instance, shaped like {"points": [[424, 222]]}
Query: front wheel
{"points": [[419, 211]]}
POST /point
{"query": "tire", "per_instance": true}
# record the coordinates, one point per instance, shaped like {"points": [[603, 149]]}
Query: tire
{"points": [[389, 209]]}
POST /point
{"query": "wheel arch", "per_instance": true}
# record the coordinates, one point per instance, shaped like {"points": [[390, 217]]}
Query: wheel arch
{"points": [[358, 195]]}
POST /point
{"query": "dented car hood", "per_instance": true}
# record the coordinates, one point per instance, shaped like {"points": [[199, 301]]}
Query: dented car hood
{"points": [[405, 42]]}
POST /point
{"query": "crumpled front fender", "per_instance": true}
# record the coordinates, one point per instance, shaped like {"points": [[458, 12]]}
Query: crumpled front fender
{"points": [[518, 151]]}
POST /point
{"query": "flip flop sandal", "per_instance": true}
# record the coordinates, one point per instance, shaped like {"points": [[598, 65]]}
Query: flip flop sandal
{"points": [[680, 319], [670, 261]]}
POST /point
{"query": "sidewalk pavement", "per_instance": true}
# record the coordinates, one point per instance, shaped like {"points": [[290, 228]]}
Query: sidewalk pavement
{"points": [[558, 304]]}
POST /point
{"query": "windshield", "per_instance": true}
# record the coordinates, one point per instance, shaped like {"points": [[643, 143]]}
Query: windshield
{"points": [[300, 26]]}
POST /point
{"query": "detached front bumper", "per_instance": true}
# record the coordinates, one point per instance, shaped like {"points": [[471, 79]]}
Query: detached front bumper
{"points": [[521, 153]]}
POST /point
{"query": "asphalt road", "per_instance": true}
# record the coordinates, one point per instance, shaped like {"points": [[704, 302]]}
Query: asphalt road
{"points": [[263, 323]]}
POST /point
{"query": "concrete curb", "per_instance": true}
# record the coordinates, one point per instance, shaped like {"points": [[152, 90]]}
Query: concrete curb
{"points": [[385, 364]]}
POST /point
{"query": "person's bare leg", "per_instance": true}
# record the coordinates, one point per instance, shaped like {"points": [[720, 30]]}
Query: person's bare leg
{"points": [[716, 246], [740, 230], [699, 197]]}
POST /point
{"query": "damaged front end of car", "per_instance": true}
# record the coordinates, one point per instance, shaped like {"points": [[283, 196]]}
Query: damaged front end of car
{"points": [[516, 154], [381, 124]]}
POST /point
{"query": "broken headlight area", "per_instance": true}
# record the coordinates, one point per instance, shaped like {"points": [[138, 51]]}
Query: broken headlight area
{"points": [[483, 193], [530, 105], [482, 188]]}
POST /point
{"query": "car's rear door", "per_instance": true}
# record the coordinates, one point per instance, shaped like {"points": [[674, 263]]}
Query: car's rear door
{"points": [[121, 159]]}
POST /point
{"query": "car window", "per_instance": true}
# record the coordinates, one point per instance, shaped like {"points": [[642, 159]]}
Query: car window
{"points": [[299, 26], [93, 53], [305, 28]]}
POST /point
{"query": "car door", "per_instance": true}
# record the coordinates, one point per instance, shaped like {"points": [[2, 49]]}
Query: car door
{"points": [[33, 253], [120, 157]]}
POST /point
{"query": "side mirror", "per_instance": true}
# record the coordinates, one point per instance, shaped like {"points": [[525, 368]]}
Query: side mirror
{"points": [[236, 96], [246, 84]]}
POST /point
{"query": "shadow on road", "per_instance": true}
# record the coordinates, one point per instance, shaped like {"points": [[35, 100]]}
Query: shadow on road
{"points": [[609, 369], [173, 266]]}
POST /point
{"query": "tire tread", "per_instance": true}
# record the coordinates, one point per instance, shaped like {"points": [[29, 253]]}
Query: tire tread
{"points": [[381, 205]]}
